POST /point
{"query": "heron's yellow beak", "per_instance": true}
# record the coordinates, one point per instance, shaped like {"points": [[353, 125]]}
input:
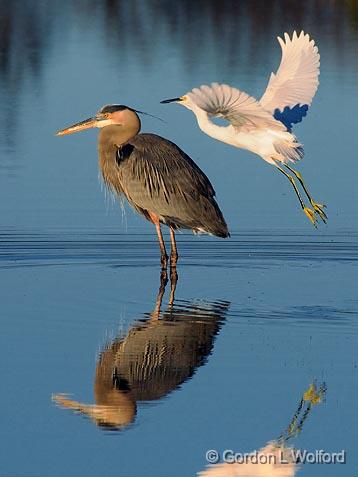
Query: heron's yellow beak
{"points": [[86, 124]]}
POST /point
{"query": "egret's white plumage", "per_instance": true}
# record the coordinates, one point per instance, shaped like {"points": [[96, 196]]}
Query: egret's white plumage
{"points": [[296, 80], [251, 126], [244, 112], [264, 127]]}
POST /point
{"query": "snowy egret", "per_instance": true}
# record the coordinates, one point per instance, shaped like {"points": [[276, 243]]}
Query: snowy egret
{"points": [[264, 127], [276, 458]]}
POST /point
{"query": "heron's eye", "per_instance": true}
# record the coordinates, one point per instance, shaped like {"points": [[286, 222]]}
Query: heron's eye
{"points": [[102, 116]]}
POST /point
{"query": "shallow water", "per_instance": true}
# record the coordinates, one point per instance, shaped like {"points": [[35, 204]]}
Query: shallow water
{"points": [[105, 371]]}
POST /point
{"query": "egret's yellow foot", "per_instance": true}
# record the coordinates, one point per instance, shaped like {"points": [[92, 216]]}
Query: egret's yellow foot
{"points": [[313, 394], [311, 215], [319, 209]]}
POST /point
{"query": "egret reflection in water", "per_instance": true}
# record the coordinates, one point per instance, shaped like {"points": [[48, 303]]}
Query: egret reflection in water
{"points": [[160, 352], [277, 458]]}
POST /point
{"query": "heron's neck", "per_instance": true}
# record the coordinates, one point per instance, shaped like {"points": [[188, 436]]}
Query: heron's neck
{"points": [[116, 135], [110, 139]]}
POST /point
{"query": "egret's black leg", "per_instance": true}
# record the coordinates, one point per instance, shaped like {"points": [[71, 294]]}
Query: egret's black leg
{"points": [[309, 212], [289, 431], [317, 207], [311, 397], [174, 252], [164, 257]]}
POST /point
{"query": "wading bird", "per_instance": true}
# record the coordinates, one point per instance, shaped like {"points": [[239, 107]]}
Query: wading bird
{"points": [[160, 352], [264, 127], [158, 179]]}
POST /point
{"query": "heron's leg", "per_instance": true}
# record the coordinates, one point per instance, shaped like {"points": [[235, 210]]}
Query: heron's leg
{"points": [[317, 207], [163, 283], [174, 252], [309, 212], [173, 285], [164, 256]]}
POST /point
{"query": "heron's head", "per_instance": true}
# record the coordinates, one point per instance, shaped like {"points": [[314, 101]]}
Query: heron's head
{"points": [[116, 410], [111, 114], [183, 100]]}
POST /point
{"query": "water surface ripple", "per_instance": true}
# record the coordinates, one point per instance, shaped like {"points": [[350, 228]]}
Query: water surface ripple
{"points": [[20, 249]]}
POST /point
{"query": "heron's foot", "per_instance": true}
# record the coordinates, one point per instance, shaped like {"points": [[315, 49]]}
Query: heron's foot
{"points": [[311, 215], [318, 208], [164, 261]]}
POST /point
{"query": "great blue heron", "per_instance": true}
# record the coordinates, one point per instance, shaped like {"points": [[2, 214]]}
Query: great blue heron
{"points": [[158, 179], [264, 127], [157, 355]]}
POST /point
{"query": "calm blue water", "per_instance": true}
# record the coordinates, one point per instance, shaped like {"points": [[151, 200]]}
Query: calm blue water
{"points": [[96, 379]]}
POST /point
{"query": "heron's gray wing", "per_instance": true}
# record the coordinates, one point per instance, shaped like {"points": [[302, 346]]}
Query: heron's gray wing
{"points": [[243, 111], [296, 80], [159, 177], [162, 166]]}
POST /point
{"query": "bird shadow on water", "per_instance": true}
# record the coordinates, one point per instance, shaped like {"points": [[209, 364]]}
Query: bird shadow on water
{"points": [[159, 353]]}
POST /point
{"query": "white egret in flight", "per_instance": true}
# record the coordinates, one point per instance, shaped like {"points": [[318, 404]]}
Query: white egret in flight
{"points": [[264, 127]]}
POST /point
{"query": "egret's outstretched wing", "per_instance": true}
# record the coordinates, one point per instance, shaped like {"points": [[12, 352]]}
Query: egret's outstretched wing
{"points": [[237, 107], [290, 91]]}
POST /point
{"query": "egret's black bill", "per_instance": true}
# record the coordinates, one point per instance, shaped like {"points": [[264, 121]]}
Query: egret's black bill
{"points": [[165, 101]]}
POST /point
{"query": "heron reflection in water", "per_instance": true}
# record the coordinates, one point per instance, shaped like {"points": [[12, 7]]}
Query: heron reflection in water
{"points": [[159, 180], [276, 458], [158, 354]]}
